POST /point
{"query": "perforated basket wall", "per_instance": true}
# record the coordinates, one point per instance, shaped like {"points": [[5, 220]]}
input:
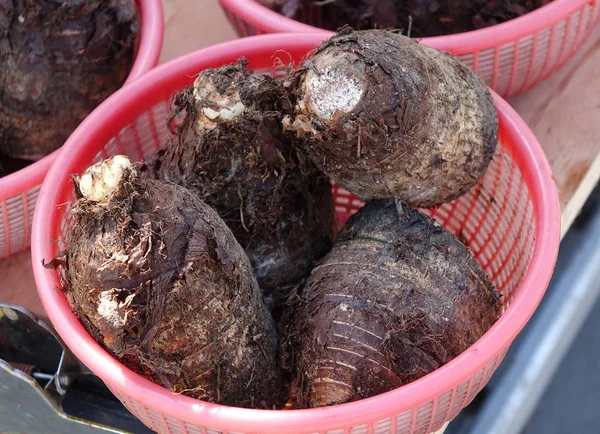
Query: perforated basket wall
{"points": [[511, 57], [505, 220], [19, 190]]}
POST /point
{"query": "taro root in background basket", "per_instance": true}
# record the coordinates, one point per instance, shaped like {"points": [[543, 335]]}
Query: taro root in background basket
{"points": [[58, 61], [421, 18], [509, 221], [511, 56]]}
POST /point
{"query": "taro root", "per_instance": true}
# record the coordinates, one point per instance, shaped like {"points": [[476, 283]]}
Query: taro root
{"points": [[158, 279], [230, 149], [58, 60], [419, 17], [385, 116], [397, 297]]}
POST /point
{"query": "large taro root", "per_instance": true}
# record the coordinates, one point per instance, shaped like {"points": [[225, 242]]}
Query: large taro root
{"points": [[231, 151], [419, 17], [158, 279], [59, 59], [396, 298], [385, 116]]}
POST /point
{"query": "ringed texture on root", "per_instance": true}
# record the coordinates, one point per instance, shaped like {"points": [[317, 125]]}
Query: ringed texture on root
{"points": [[230, 149], [387, 117], [159, 280], [396, 298]]}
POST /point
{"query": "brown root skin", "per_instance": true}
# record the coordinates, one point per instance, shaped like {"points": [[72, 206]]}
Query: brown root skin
{"points": [[421, 17], [277, 203], [396, 298], [58, 61], [160, 281], [385, 116]]}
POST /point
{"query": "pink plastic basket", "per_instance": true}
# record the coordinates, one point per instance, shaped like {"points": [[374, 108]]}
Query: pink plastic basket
{"points": [[19, 190], [510, 221], [511, 57]]}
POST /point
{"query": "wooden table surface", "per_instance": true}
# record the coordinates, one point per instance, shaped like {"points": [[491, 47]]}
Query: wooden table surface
{"points": [[563, 112]]}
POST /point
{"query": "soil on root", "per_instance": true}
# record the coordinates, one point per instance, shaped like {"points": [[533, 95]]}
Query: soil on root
{"points": [[158, 279], [277, 203], [396, 298], [421, 17], [387, 117], [58, 61]]}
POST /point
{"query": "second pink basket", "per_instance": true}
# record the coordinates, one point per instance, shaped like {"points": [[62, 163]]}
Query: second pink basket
{"points": [[511, 57]]}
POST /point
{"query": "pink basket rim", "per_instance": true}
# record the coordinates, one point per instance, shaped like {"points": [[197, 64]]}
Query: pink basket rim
{"points": [[460, 43], [527, 153], [150, 44]]}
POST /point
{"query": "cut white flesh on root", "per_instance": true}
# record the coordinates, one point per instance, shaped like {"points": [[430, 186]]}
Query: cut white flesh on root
{"points": [[226, 114], [334, 85], [214, 105], [100, 180]]}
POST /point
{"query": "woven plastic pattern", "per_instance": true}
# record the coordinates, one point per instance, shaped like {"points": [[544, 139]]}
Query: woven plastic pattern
{"points": [[499, 220], [17, 215], [515, 66], [19, 191], [424, 419], [509, 58]]}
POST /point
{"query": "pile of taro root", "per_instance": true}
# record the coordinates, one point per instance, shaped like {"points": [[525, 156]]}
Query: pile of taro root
{"points": [[216, 269], [58, 61], [416, 18]]}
